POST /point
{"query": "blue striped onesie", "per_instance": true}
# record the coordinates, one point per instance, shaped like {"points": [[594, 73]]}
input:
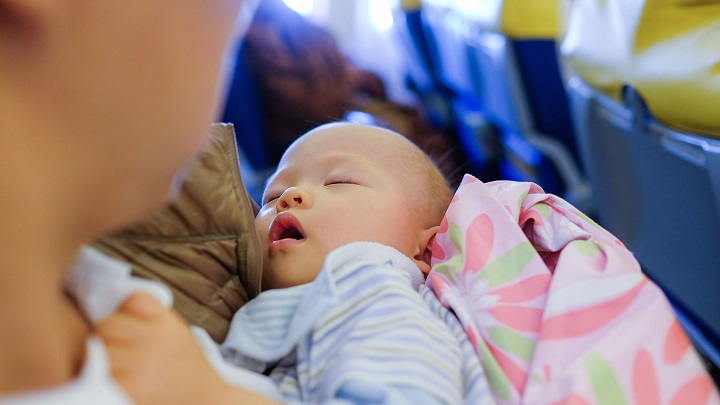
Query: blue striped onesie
{"points": [[360, 333]]}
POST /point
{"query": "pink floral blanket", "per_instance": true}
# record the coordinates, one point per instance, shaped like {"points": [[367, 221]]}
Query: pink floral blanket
{"points": [[557, 309]]}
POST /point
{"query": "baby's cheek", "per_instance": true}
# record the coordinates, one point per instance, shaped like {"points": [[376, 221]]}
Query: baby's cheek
{"points": [[262, 223]]}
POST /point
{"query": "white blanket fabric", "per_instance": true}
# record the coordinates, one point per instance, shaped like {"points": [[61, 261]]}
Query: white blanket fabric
{"points": [[100, 284]]}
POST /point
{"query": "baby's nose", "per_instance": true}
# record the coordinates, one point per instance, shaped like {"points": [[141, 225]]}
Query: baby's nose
{"points": [[293, 197]]}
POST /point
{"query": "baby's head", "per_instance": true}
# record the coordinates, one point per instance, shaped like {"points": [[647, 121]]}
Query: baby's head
{"points": [[343, 183]]}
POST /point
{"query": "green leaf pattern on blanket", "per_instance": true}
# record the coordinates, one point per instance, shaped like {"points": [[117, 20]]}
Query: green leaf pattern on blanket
{"points": [[450, 266], [457, 237], [543, 210], [508, 266], [586, 247], [447, 268], [521, 198], [499, 382], [512, 342], [604, 381]]}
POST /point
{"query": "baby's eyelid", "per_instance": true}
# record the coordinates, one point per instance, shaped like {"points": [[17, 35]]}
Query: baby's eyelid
{"points": [[269, 199], [340, 180]]}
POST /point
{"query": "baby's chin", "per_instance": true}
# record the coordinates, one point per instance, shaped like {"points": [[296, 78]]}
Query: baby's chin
{"points": [[282, 274]]}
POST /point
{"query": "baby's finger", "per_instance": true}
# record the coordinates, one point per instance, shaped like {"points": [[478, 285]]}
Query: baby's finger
{"points": [[120, 329], [126, 369], [142, 305], [122, 359]]}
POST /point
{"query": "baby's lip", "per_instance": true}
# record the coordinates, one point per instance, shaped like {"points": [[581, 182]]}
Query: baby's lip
{"points": [[286, 227]]}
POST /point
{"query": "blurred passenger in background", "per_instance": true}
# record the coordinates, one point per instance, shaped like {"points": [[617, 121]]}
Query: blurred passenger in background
{"points": [[304, 80]]}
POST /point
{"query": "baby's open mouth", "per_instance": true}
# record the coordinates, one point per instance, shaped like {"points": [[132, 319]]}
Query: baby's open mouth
{"points": [[286, 227], [291, 233]]}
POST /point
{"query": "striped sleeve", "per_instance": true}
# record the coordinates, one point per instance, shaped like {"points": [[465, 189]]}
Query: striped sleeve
{"points": [[379, 343]]}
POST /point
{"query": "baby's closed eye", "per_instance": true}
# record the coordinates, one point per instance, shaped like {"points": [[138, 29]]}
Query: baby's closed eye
{"points": [[341, 179], [335, 182], [270, 198]]}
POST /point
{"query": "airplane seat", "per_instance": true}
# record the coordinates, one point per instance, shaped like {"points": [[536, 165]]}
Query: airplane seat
{"points": [[538, 66], [456, 111], [421, 75], [446, 33], [449, 52], [243, 110], [643, 79], [503, 53]]}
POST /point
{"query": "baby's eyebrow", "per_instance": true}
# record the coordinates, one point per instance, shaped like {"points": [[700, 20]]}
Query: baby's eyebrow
{"points": [[337, 159], [328, 161], [266, 188], [268, 181], [280, 172]]}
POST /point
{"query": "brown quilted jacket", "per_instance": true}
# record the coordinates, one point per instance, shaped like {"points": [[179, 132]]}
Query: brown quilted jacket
{"points": [[203, 244]]}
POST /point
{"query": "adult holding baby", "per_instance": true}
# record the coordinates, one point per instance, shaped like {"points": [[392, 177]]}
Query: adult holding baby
{"points": [[102, 104]]}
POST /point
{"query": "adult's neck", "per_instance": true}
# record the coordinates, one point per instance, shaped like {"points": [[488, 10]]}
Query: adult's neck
{"points": [[42, 341], [43, 335]]}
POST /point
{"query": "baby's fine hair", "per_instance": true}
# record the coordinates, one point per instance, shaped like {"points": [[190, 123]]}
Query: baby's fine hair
{"points": [[430, 192], [432, 189]]}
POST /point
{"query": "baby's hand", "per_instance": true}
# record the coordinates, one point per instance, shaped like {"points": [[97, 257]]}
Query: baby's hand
{"points": [[154, 355]]}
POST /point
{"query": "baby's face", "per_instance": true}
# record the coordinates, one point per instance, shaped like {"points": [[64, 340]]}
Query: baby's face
{"points": [[332, 187]]}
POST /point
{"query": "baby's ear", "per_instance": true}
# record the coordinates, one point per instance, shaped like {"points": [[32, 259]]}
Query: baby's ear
{"points": [[423, 250]]}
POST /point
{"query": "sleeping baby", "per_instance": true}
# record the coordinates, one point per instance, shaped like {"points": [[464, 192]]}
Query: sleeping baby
{"points": [[347, 226]]}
